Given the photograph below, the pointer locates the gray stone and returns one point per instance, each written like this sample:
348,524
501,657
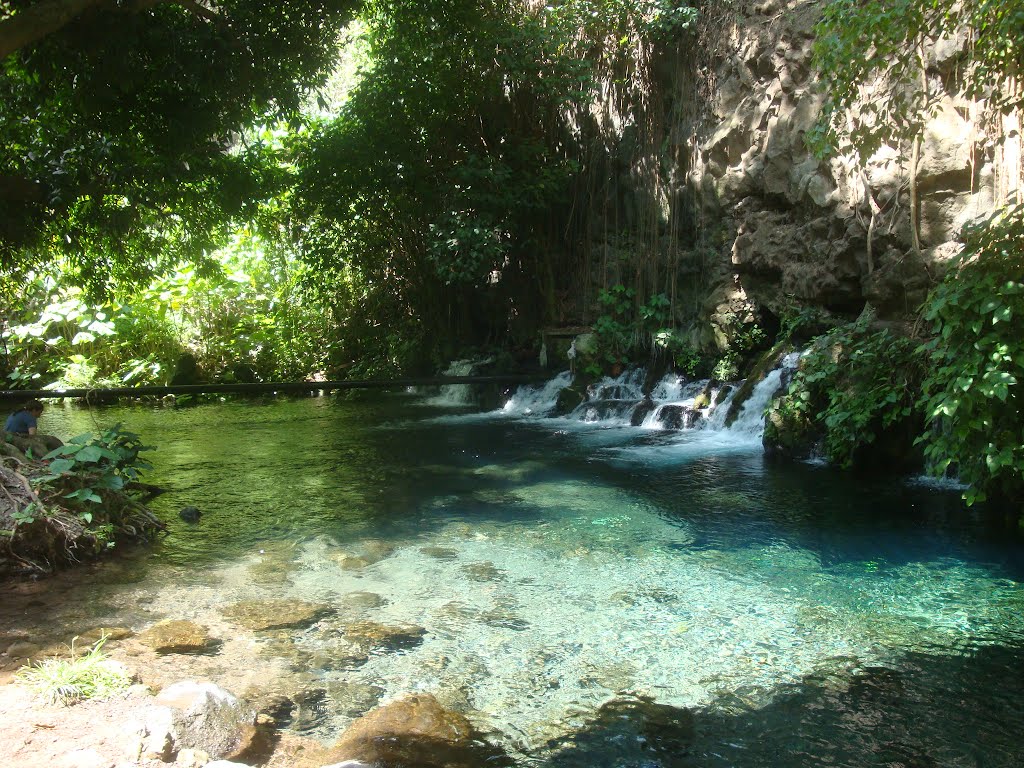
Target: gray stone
203,717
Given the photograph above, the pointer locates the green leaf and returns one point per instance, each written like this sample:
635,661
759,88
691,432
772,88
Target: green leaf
90,454
60,466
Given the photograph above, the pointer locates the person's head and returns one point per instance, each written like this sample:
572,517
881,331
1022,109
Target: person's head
34,407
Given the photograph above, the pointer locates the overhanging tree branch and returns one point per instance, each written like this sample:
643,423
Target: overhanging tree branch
32,24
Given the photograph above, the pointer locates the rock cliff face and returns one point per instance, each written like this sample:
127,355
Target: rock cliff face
793,230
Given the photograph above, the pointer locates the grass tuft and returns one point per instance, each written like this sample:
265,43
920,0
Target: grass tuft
69,681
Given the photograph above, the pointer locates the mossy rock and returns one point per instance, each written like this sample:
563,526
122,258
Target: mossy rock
788,435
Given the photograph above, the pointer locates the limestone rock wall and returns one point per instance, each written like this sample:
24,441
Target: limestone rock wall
793,230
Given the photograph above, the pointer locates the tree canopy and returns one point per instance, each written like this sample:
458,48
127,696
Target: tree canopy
122,122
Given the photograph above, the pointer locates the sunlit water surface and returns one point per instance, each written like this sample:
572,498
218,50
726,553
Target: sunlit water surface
793,615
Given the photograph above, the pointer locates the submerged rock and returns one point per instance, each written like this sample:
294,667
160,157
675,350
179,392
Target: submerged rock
370,635
414,731
178,636
666,734
485,571
363,600
276,614
440,553
190,514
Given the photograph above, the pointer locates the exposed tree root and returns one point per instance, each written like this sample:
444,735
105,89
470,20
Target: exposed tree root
42,532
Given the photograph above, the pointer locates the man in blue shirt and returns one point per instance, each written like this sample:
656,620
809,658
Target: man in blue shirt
20,430
24,421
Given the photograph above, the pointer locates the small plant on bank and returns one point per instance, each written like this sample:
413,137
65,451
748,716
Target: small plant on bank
68,681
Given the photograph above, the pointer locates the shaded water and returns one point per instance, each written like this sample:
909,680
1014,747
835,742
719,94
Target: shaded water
593,594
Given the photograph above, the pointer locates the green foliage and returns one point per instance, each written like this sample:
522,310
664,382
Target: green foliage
684,356
79,678
430,198
249,315
82,474
972,388
117,128
743,338
614,327
856,383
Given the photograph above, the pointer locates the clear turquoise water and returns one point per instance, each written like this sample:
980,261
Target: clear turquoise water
603,596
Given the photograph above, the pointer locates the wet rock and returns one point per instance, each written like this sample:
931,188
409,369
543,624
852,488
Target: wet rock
641,411
568,400
678,417
178,636
485,571
370,635
190,514
415,730
299,707
276,614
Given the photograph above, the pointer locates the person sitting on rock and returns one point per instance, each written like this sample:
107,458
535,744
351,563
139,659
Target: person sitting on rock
22,429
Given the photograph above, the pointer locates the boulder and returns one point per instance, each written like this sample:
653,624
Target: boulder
201,717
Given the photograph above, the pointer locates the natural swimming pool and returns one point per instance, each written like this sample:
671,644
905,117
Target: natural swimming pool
587,593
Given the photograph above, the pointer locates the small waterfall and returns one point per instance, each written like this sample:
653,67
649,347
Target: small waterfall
750,420
457,395
538,400
677,411
612,400
674,404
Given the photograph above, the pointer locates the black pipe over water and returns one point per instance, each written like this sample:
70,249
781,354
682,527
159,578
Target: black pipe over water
281,387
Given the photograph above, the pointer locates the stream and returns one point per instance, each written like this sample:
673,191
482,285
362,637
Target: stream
589,593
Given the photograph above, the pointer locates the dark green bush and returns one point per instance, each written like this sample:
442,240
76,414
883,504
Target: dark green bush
972,390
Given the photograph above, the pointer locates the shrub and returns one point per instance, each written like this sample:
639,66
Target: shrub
858,384
972,390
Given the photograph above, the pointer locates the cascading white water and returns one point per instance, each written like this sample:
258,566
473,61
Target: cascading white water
620,402
680,402
457,395
750,420
537,401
